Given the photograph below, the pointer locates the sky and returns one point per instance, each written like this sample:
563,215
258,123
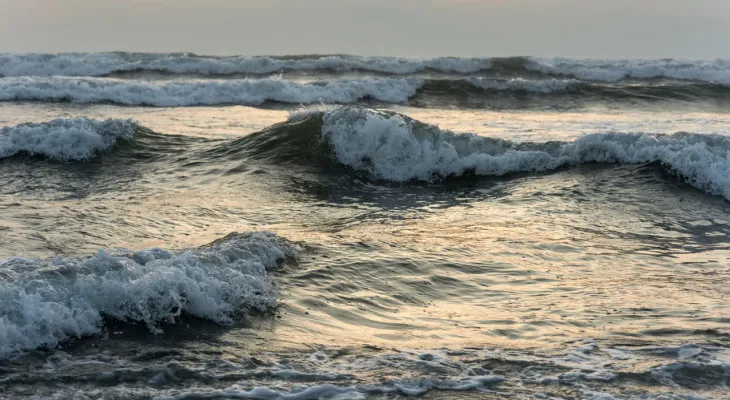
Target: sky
694,29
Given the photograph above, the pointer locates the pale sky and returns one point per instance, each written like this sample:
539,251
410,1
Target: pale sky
420,28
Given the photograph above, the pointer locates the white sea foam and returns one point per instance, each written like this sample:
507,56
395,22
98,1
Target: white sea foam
99,64
43,303
330,391
392,147
65,139
690,361
586,372
717,71
415,372
409,375
544,86
190,93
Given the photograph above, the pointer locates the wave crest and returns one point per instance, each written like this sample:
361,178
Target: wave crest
101,64
716,71
255,92
43,303
394,147
75,139
192,93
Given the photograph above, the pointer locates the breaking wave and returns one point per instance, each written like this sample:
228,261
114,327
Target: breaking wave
390,146
76,139
715,71
340,91
44,302
102,64
394,147
191,93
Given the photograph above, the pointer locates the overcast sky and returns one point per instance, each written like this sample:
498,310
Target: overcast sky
572,28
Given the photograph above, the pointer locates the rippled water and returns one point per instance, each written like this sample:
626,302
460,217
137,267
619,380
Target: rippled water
525,259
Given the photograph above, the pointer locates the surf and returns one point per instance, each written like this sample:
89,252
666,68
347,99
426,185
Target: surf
46,302
602,70
76,139
393,147
422,92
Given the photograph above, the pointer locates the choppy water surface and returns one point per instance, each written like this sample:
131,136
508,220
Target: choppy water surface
443,228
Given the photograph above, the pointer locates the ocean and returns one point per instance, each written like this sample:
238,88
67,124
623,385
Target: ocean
178,226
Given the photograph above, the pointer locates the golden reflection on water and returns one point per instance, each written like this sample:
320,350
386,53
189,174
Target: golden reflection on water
517,262
524,271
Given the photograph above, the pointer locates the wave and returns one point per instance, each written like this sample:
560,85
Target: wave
43,303
173,94
716,71
331,391
544,86
342,91
581,369
502,91
103,64
390,146
394,147
590,371
77,139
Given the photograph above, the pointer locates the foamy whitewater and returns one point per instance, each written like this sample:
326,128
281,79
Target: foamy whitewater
100,64
470,92
181,226
46,302
81,64
65,139
395,148
173,94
